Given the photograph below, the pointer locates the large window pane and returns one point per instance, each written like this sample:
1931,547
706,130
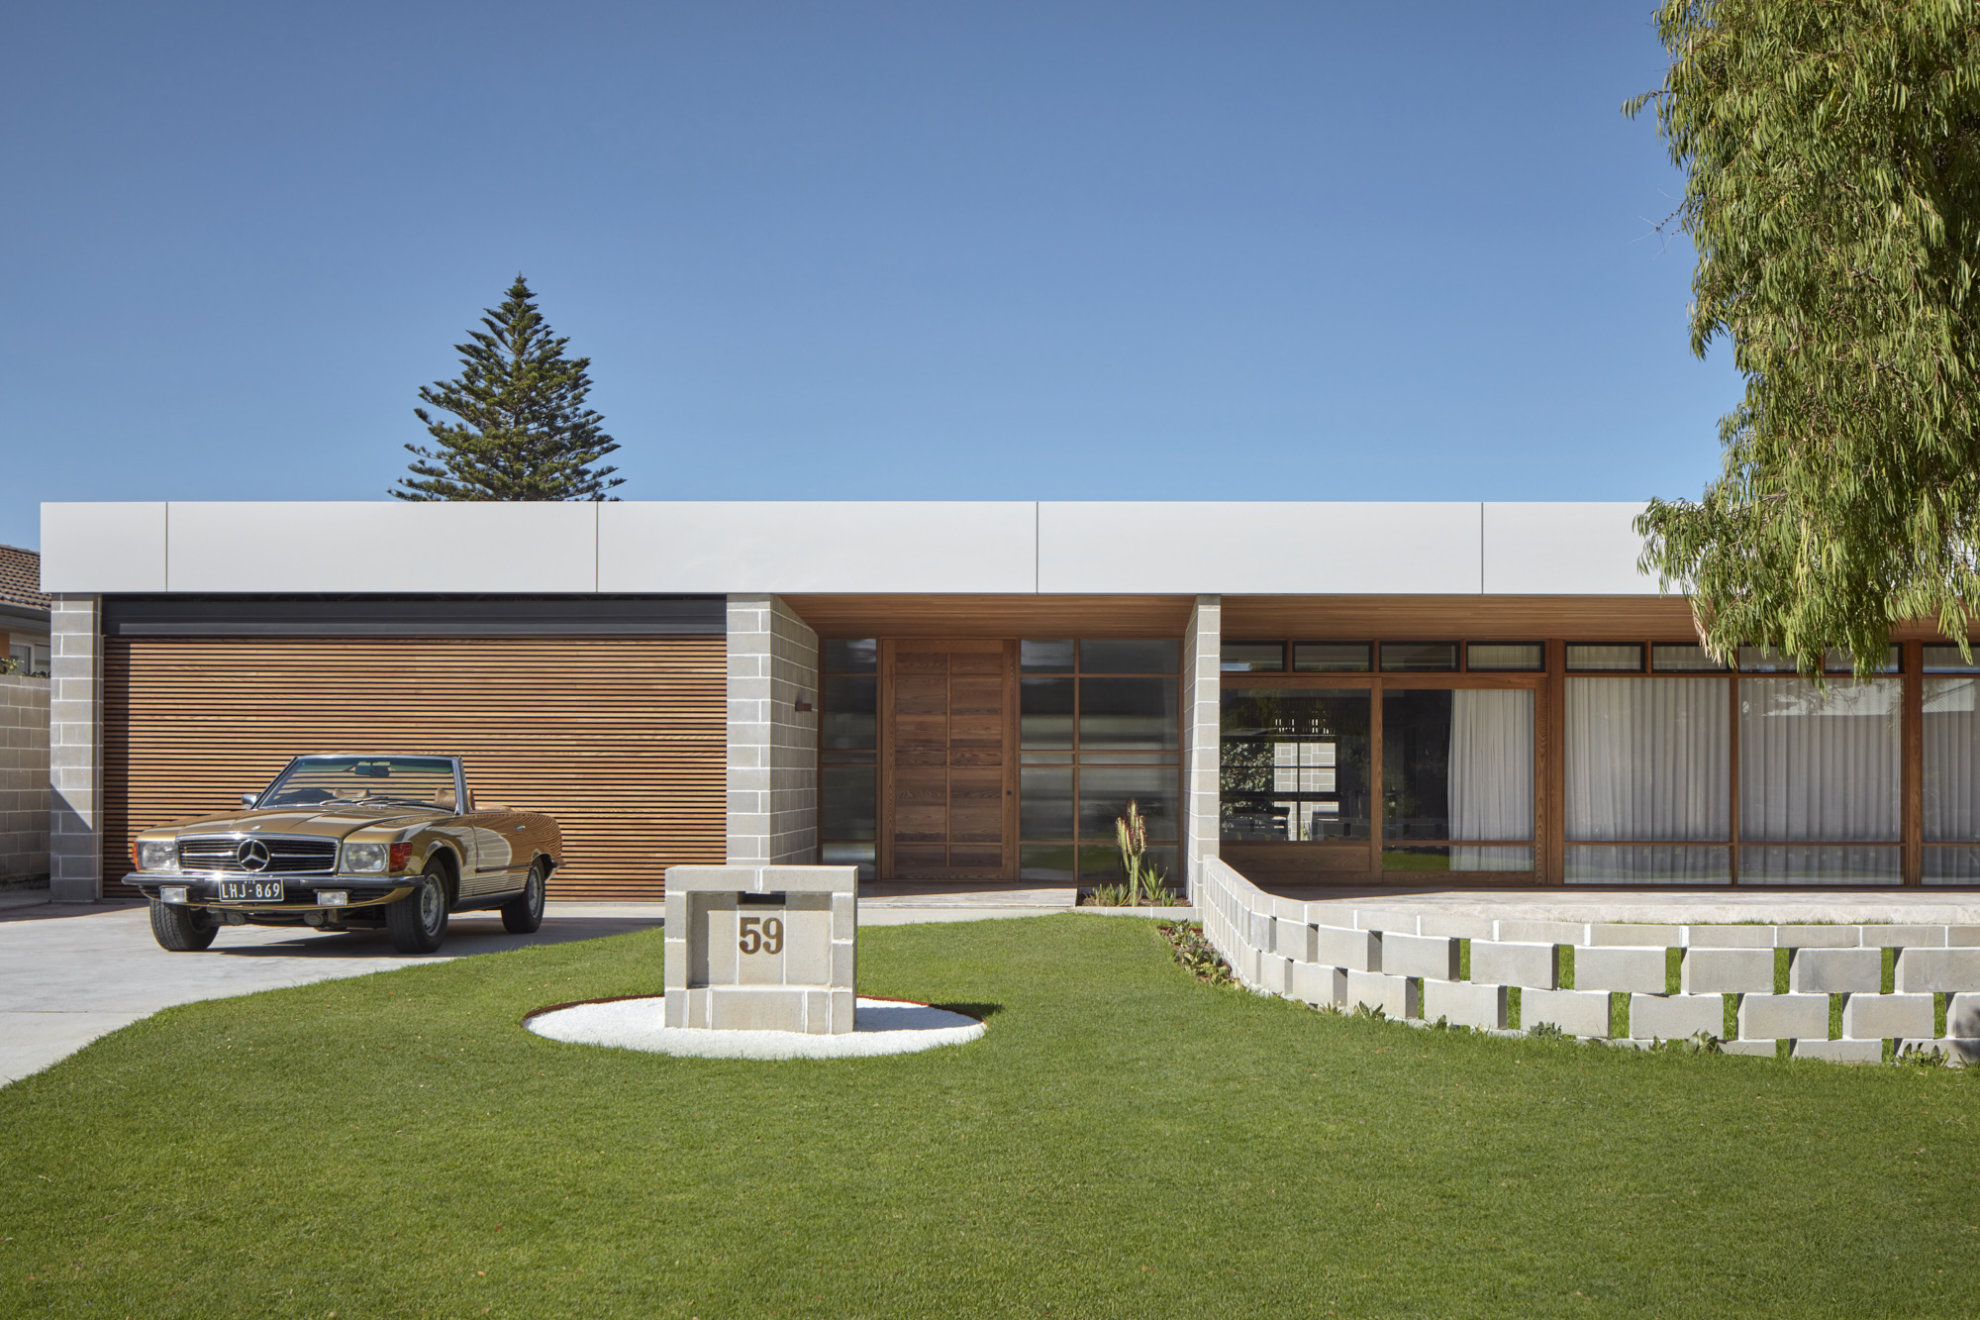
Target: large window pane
1045,712
1105,791
1295,764
1648,759
1128,714
1952,760
1458,765
849,713
1817,765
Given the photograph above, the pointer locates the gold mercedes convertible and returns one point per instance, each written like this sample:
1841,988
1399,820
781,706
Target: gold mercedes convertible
348,842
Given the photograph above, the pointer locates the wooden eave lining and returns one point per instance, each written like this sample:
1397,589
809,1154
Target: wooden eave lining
620,740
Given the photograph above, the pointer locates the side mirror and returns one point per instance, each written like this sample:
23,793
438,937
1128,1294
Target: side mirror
247,799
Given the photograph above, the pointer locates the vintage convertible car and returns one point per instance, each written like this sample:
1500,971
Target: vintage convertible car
339,842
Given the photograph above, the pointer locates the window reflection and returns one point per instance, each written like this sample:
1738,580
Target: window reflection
1045,713
1295,764
1128,714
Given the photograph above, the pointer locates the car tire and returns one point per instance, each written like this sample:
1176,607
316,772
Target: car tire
418,922
181,929
522,914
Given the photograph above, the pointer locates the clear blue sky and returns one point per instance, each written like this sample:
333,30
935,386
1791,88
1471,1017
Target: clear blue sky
925,249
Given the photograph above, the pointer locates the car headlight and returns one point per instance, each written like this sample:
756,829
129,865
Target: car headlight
364,857
158,855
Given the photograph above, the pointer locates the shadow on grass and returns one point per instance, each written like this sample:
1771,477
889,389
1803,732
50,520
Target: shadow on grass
981,1012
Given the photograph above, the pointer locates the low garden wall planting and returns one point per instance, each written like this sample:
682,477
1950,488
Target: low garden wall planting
1849,993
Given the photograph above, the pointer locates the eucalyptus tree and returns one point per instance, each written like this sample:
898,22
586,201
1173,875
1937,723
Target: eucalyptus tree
1832,158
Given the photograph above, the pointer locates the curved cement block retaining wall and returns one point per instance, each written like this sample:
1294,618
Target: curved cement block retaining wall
1673,981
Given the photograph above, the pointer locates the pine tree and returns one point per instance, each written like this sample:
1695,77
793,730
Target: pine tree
524,432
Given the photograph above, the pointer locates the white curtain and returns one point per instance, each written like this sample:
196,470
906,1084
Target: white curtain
1491,776
1819,765
1648,759
1952,762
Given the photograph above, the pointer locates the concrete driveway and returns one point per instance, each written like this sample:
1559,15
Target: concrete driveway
70,973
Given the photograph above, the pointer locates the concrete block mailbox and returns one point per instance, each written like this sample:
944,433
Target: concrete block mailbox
762,948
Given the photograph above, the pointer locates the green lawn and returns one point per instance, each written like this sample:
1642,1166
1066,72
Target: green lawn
1123,1142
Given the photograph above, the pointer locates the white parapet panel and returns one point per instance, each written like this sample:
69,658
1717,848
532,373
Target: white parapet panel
383,546
1563,549
1262,548
94,549
954,547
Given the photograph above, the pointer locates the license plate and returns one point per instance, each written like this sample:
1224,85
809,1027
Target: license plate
250,891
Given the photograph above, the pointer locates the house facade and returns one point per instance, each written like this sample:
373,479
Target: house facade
1318,693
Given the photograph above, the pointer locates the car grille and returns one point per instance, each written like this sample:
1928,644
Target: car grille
221,852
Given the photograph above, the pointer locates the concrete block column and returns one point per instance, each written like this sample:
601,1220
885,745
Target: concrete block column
1202,734
75,750
773,735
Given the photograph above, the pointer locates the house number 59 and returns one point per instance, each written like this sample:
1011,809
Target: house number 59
761,935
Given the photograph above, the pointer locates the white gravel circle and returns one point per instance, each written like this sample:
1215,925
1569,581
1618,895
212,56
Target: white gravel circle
880,1026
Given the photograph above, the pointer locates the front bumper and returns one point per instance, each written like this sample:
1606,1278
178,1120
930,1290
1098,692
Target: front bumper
298,891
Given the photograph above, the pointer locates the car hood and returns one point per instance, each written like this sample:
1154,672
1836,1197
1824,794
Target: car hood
318,822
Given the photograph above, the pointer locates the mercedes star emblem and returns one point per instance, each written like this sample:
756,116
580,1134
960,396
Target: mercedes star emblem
252,855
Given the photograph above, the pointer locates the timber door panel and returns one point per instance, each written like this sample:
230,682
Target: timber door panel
949,760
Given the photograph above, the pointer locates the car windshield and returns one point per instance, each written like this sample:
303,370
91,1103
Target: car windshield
426,781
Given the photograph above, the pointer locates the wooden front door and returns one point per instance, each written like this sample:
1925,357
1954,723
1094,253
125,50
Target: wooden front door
948,763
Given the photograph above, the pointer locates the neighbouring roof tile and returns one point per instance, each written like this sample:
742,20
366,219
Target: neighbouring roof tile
20,578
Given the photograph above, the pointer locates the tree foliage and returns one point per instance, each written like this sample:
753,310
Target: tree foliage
1832,155
524,431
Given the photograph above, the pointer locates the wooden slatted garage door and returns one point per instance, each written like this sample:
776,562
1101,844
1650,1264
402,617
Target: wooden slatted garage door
619,739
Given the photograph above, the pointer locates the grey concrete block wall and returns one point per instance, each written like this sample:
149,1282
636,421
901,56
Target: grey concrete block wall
772,734
1407,964
24,778
1202,734
75,750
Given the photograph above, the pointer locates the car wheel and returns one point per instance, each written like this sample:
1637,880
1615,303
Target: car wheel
522,914
180,928
418,922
